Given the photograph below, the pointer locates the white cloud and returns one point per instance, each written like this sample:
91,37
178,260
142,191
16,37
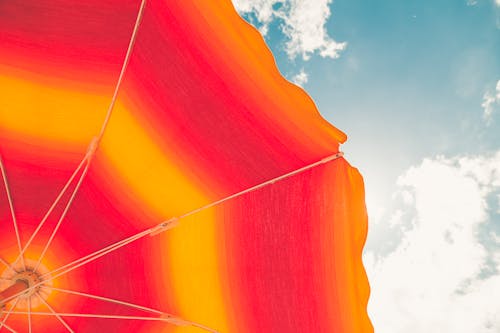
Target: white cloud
301,78
491,101
396,218
496,240
407,197
474,2
375,212
302,21
431,281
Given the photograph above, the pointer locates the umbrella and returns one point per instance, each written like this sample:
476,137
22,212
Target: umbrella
160,175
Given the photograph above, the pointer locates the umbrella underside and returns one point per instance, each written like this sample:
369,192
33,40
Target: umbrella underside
160,175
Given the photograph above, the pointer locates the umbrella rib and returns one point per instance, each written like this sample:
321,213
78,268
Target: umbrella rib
92,315
165,319
83,315
63,215
11,207
93,147
132,305
8,313
83,261
63,322
123,70
29,315
161,227
8,328
93,256
94,144
263,184
54,204
105,299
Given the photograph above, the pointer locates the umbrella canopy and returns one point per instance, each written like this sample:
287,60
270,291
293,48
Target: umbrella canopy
160,175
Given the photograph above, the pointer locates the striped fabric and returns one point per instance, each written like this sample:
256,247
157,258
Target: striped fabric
202,113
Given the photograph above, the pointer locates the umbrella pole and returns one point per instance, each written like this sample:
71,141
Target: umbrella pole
18,287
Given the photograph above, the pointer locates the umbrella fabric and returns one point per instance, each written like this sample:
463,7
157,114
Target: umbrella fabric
202,113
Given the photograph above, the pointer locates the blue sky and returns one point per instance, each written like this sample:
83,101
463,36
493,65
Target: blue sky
416,88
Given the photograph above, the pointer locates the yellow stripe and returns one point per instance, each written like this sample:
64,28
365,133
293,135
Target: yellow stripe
44,112
196,273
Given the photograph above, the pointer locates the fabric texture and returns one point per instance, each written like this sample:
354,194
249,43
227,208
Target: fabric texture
202,113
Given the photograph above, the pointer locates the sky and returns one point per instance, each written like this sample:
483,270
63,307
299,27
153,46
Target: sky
416,87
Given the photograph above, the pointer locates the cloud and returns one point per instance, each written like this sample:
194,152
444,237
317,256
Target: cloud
474,2
491,101
303,22
301,78
433,280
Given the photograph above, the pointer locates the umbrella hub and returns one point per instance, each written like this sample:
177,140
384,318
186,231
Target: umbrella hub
31,279
28,284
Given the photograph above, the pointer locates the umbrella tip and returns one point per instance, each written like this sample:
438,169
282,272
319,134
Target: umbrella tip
332,157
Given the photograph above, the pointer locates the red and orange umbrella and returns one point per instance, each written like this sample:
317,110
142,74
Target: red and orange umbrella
160,175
